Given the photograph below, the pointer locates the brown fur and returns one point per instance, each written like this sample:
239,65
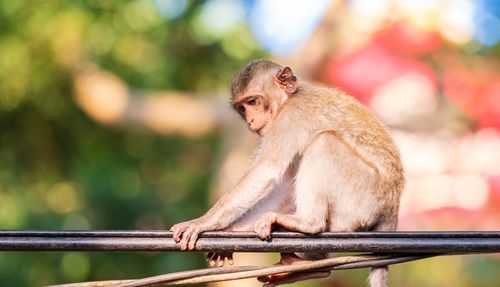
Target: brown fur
242,79
320,147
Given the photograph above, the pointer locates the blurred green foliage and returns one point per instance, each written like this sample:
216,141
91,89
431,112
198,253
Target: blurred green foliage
61,170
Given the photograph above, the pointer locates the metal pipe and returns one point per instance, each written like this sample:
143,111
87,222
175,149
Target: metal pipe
225,234
380,242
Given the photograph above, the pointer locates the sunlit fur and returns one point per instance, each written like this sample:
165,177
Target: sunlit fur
325,163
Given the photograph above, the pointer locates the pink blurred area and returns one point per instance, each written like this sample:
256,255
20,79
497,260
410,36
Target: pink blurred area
476,91
388,55
443,106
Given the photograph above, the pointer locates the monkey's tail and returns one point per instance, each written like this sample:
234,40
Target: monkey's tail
378,277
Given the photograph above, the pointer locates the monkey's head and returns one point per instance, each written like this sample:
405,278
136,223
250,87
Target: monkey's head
259,90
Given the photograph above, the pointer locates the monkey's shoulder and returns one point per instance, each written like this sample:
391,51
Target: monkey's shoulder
333,109
334,102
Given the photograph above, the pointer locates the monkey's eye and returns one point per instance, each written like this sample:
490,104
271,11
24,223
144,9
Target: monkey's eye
241,110
252,102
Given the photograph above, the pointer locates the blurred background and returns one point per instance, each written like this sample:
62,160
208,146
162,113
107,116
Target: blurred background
114,115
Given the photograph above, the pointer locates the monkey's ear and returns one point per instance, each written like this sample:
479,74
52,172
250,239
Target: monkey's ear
287,80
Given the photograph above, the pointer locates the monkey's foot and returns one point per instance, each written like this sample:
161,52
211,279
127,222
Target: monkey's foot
218,258
287,278
263,226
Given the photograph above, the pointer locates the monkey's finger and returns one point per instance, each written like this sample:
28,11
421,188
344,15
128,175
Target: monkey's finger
174,231
230,259
210,258
176,236
210,255
260,235
177,230
264,234
174,227
193,237
214,261
220,260
186,236
258,229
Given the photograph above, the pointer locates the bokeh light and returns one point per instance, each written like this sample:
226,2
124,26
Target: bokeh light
75,266
102,96
284,26
171,9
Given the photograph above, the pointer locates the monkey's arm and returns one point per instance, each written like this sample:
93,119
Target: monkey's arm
274,157
254,186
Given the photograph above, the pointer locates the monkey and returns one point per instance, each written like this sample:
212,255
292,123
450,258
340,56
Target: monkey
324,163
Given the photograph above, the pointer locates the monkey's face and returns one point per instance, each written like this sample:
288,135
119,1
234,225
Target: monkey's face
259,104
256,111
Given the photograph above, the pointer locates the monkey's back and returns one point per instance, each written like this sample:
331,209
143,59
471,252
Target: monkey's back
329,109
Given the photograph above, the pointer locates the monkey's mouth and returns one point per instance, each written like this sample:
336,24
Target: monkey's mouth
260,130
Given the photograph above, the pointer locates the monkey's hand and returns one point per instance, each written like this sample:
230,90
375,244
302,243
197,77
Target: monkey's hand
218,258
186,233
263,226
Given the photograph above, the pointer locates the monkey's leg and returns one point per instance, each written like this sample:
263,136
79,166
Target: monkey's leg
314,184
355,204
334,192
291,222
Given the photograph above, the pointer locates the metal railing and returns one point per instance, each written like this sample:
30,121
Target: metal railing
379,242
385,248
